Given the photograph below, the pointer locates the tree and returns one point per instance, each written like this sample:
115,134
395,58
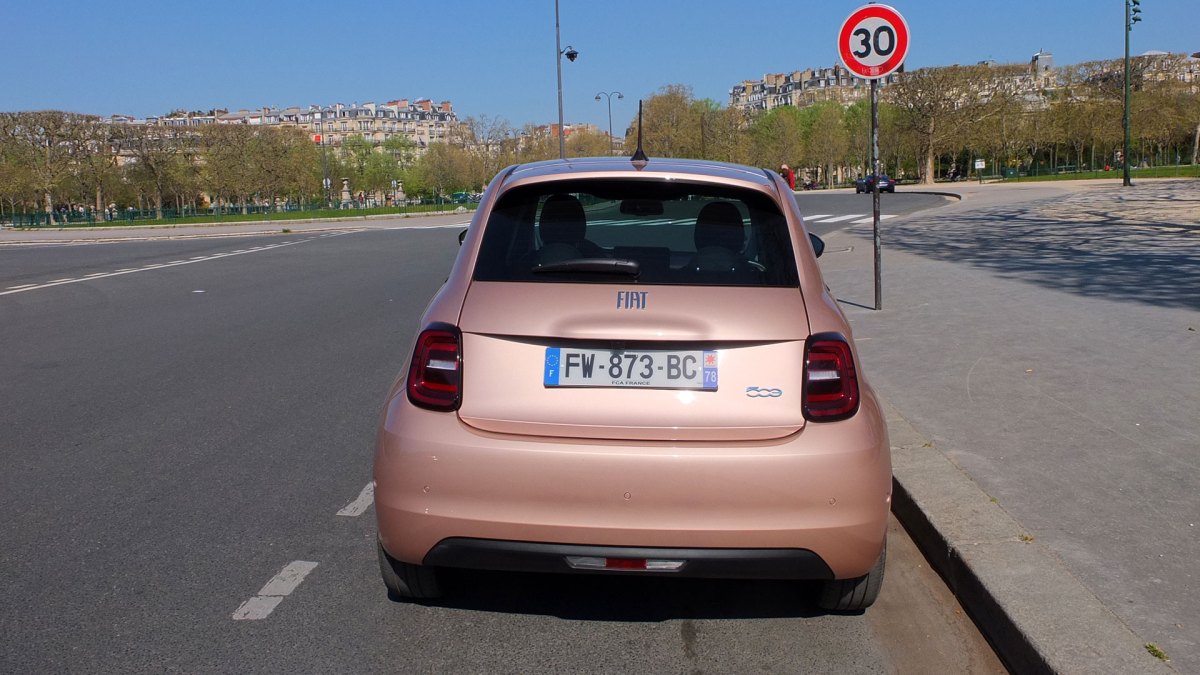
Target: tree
444,168
826,138
721,132
938,105
96,170
228,170
671,129
161,163
778,137
16,178
588,144
48,144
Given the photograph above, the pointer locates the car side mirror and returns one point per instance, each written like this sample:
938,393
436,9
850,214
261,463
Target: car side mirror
818,244
461,236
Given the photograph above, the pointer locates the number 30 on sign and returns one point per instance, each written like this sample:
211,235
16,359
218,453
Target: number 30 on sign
873,41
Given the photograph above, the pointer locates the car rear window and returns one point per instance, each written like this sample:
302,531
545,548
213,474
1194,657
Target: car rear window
648,231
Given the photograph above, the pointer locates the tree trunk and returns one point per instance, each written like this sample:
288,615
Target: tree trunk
1196,147
927,178
50,208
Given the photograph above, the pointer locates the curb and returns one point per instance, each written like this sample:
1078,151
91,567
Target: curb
1038,617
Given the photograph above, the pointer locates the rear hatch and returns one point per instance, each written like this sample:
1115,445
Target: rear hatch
646,362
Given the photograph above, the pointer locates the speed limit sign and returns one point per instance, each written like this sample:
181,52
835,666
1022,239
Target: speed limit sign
873,41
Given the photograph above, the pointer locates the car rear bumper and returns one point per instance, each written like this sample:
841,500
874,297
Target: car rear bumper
519,556
823,493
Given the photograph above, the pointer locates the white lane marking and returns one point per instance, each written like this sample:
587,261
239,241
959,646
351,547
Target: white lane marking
15,288
256,608
871,219
813,218
839,219
102,275
279,587
361,504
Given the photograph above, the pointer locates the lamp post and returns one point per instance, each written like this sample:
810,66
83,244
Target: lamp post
571,55
1133,14
609,95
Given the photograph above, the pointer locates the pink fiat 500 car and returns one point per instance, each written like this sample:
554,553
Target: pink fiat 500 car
635,368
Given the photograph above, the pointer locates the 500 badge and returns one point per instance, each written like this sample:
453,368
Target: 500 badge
759,392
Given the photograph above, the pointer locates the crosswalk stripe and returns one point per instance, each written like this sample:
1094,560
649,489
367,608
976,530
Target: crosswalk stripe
869,219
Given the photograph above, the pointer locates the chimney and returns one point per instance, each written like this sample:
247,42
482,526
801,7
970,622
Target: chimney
446,107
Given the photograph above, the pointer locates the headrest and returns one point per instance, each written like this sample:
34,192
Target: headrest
720,224
562,220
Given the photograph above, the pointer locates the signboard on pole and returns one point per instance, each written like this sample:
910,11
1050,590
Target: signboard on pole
873,41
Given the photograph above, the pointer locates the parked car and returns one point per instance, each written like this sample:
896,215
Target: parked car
635,368
867,184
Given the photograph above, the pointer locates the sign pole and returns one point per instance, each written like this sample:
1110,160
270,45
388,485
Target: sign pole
872,43
875,194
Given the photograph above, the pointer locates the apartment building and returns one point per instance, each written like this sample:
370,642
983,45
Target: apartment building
1031,83
801,88
420,121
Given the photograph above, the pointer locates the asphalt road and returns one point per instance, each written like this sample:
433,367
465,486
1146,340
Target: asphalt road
181,422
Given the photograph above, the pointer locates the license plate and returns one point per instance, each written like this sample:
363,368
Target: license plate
633,368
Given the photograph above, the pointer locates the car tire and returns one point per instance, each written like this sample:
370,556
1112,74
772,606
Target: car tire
404,580
853,595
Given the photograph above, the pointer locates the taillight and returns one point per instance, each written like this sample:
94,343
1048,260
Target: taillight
830,380
435,376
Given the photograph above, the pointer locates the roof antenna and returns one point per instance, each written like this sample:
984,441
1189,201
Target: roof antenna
639,159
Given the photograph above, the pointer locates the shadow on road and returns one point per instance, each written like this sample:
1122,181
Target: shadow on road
626,598
1111,248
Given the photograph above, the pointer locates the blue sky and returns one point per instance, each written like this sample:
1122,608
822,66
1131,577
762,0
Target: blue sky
496,58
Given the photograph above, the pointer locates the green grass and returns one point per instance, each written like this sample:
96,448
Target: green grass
1156,652
1184,171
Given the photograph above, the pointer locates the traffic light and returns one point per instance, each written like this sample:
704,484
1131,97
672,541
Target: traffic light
1135,12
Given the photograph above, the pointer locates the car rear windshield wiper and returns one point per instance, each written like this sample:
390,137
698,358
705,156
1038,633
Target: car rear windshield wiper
594,265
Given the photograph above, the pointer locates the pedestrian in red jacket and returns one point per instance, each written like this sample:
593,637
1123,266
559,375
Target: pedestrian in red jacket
788,175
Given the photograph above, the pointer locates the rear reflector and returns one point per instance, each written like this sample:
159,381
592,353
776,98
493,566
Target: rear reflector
580,562
830,379
435,375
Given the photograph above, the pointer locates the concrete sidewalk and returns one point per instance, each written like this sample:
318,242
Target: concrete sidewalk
1038,347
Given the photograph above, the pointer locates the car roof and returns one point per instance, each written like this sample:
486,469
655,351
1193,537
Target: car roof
654,168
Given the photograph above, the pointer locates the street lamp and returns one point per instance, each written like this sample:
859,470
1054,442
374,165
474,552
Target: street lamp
571,55
1133,14
609,95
